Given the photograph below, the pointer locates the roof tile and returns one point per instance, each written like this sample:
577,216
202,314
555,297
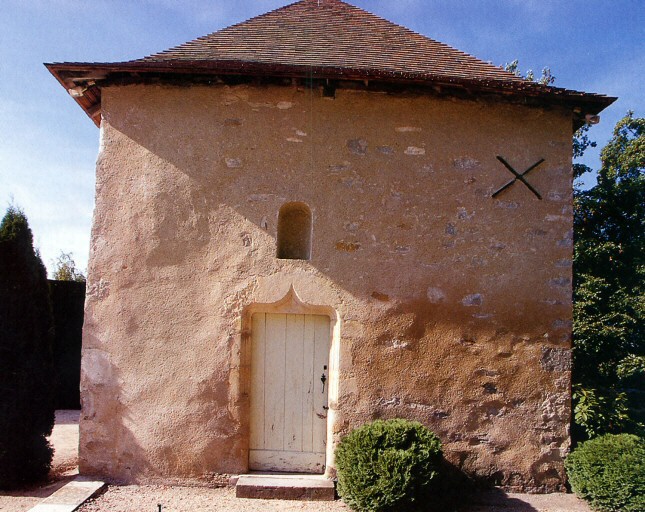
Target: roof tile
332,33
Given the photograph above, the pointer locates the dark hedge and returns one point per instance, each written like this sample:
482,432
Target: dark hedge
68,299
26,369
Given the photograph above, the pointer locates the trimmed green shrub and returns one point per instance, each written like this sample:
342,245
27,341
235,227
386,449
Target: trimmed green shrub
26,370
388,466
609,472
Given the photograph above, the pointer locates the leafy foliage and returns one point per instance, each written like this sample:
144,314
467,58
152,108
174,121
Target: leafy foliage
66,269
581,142
26,372
609,298
609,472
546,77
597,413
388,466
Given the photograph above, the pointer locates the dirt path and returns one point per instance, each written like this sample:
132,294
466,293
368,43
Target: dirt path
64,438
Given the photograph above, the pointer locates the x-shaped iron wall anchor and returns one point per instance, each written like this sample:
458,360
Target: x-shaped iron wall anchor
518,176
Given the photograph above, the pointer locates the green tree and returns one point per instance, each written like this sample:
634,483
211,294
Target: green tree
26,370
65,269
609,299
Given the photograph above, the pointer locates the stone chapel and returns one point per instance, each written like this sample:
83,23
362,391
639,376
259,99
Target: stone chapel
313,219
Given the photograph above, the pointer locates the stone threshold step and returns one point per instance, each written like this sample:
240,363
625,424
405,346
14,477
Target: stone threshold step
69,497
277,486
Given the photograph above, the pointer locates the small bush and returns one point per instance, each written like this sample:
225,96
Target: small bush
388,466
609,472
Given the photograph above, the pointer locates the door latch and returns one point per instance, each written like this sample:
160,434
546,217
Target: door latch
323,379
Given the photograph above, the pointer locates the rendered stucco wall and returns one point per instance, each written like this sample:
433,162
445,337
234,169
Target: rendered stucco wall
451,307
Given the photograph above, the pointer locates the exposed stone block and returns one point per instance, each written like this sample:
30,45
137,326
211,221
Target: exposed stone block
415,151
556,359
386,150
465,163
357,146
233,163
474,299
435,295
408,129
381,296
342,245
560,282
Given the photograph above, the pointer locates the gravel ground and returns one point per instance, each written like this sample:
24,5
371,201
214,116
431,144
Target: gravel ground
147,498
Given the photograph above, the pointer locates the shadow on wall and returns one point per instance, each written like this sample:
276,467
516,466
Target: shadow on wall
119,444
254,172
125,460
461,492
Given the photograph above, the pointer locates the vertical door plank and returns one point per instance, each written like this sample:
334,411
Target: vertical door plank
321,359
293,392
309,385
274,382
258,334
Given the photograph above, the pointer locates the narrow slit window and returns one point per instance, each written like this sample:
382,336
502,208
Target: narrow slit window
294,232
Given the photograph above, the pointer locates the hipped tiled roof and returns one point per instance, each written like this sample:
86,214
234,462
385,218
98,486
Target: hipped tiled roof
334,34
322,39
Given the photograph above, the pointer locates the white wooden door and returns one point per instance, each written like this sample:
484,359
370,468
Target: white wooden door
290,355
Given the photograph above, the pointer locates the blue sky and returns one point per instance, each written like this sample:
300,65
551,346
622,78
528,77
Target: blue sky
48,146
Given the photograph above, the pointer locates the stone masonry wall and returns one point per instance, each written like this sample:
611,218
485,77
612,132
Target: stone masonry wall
453,308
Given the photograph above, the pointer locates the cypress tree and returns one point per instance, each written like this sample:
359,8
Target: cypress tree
26,368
